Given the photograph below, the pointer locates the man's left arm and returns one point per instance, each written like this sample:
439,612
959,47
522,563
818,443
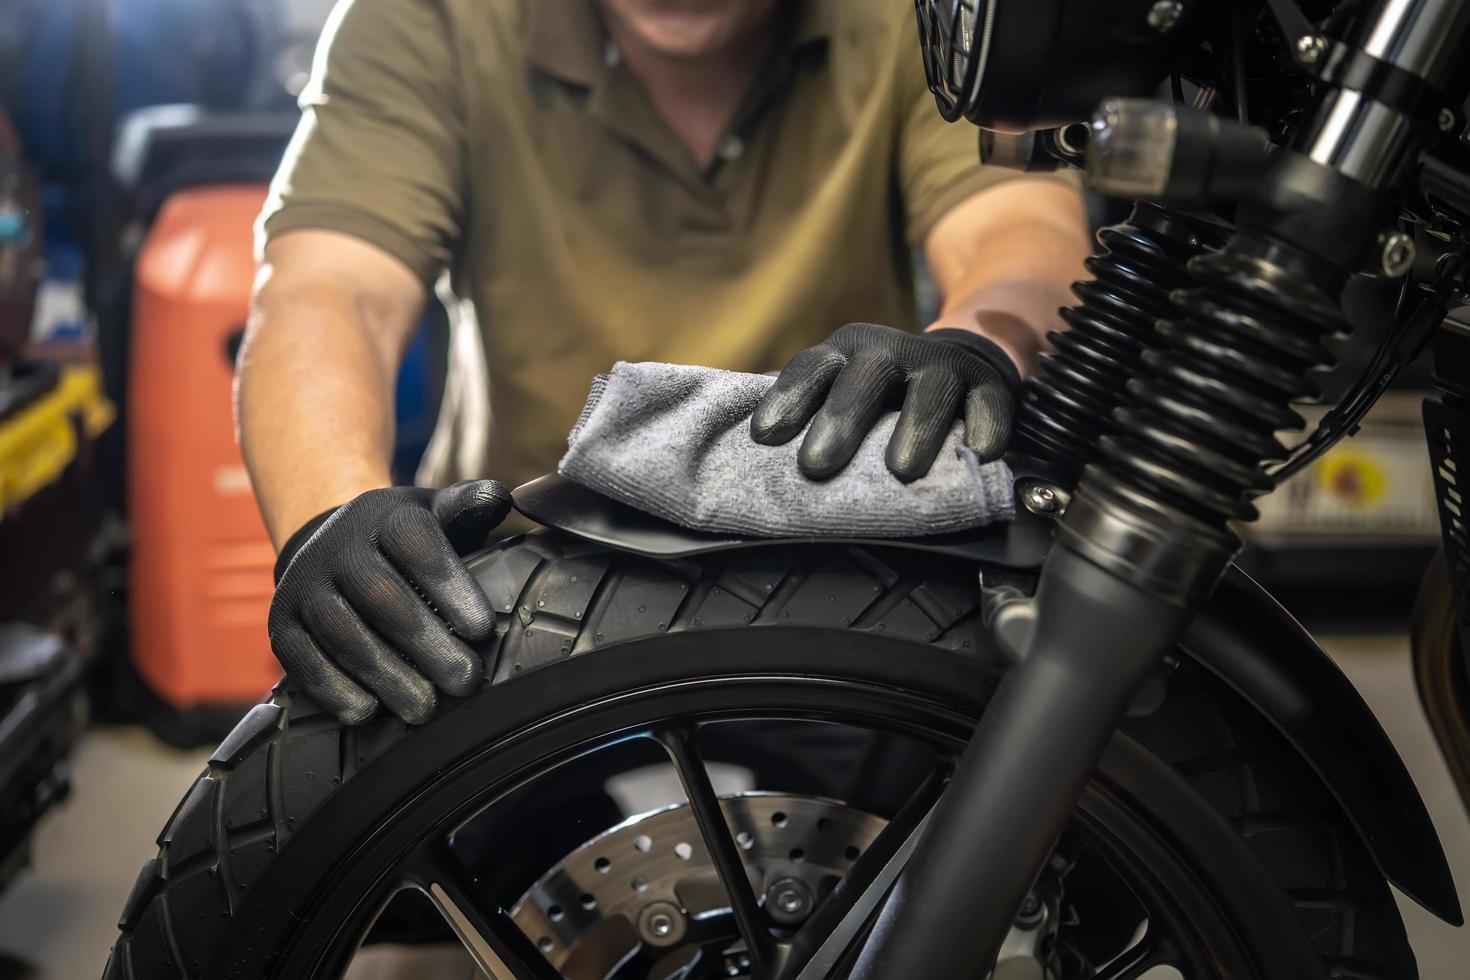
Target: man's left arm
1003,249
1004,260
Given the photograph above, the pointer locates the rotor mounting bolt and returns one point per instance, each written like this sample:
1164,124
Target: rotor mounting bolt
662,923
1042,500
1396,253
1164,15
789,901
1309,48
1447,120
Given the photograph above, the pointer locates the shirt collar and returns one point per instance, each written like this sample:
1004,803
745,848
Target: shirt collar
564,37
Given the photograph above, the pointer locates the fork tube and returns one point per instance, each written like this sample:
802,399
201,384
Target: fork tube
1146,535
1096,638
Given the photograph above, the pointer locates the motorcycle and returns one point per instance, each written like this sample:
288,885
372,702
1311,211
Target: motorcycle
1106,754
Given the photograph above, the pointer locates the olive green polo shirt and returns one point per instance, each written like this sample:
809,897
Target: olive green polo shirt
504,141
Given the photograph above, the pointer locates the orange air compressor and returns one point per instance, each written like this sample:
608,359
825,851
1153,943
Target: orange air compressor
201,561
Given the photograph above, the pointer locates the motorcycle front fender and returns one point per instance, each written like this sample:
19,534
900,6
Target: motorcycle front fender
1242,637
1254,646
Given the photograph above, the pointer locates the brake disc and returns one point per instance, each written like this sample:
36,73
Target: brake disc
650,882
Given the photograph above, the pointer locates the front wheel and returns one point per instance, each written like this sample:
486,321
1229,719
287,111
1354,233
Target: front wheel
1201,848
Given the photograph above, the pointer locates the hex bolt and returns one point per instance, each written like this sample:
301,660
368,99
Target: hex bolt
1164,15
1043,499
1309,48
662,923
788,901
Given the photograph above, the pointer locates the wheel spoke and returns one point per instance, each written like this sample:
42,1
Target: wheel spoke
679,743
1138,959
499,947
826,938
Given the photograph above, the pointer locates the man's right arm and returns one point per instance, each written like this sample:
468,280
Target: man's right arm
314,399
364,213
373,604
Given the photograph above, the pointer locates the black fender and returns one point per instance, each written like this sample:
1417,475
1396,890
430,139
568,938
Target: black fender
1242,637
1251,644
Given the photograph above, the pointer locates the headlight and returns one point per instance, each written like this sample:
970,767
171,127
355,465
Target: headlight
955,36
1019,65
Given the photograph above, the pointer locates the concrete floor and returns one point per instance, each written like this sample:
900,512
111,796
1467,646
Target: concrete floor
58,919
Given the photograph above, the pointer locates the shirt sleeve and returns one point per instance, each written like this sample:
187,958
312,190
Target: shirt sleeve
939,163
379,153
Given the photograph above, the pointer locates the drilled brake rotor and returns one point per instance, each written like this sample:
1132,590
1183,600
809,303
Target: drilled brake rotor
650,882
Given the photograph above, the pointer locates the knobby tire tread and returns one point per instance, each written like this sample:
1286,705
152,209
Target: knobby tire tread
556,597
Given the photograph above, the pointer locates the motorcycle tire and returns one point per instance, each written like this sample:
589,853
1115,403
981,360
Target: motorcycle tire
290,797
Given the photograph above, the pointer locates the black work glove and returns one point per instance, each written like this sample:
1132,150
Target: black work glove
846,383
374,604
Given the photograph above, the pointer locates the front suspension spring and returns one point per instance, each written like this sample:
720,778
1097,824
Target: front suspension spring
1068,403
1209,402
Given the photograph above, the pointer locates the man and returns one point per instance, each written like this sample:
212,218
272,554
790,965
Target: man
721,182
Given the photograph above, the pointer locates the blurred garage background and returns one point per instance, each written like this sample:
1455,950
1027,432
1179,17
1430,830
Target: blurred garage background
136,140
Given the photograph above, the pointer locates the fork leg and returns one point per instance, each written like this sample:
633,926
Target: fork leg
1096,638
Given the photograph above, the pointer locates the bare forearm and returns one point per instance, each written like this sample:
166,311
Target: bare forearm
1010,279
1018,285
314,401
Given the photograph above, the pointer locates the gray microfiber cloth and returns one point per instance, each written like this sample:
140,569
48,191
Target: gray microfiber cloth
674,441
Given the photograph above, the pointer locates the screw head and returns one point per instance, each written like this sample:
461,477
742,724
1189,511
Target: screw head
1309,47
1396,255
1164,15
1446,120
1042,499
